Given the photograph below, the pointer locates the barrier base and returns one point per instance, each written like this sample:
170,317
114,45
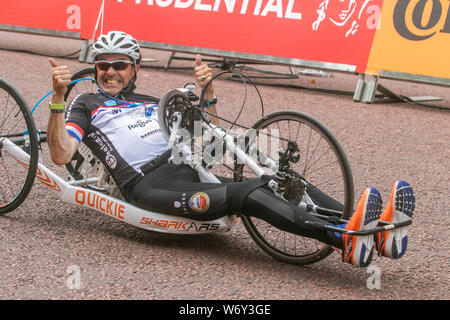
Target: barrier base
365,92
228,64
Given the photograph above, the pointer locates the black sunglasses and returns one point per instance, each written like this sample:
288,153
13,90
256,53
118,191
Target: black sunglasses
117,65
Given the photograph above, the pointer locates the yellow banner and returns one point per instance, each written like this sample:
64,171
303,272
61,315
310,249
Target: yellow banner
413,37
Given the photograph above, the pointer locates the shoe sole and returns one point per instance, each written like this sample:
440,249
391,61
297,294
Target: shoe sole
360,248
396,241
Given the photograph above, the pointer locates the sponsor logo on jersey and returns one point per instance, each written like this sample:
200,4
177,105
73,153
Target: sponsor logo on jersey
110,103
111,161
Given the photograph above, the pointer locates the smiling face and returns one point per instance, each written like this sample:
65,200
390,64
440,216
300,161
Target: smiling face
113,81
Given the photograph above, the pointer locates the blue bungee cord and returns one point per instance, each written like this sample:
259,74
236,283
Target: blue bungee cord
42,99
99,89
149,111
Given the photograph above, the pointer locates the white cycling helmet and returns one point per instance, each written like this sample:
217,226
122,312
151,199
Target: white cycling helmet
116,42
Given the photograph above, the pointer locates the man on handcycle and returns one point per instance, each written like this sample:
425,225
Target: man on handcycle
122,130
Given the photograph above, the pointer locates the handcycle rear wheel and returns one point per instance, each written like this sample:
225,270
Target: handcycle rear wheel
78,165
16,124
81,87
322,164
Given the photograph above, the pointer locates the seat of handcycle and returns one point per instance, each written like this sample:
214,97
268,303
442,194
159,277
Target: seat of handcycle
93,174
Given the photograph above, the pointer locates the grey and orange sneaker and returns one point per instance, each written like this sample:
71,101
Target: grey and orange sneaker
393,243
358,250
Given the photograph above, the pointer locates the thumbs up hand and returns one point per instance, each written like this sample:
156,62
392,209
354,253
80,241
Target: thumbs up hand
202,72
61,79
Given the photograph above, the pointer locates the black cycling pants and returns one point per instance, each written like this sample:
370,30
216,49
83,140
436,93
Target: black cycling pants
177,190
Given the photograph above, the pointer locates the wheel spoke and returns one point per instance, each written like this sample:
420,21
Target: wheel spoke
323,164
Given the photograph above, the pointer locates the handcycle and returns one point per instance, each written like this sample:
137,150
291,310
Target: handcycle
294,151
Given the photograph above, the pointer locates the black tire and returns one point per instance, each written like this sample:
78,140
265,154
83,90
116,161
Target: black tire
16,180
318,146
81,87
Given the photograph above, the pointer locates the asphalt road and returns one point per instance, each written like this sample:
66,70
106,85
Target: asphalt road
44,242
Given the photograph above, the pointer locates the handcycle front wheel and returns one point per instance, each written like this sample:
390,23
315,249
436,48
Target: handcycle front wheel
17,125
322,164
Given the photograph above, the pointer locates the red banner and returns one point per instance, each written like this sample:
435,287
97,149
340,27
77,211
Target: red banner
330,31
334,31
55,15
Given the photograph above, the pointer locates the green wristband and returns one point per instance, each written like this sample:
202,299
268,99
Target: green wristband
57,106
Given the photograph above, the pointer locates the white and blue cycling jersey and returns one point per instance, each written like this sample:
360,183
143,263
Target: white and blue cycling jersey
122,136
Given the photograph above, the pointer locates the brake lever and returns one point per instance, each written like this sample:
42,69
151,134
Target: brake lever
192,96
